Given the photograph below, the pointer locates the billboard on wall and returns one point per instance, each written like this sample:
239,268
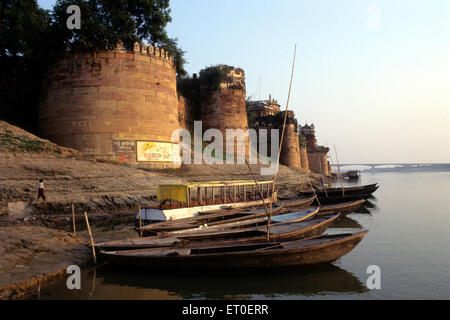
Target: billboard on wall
152,151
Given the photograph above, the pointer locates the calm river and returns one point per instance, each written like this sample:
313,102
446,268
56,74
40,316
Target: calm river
409,239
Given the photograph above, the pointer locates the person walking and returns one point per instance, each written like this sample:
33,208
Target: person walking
41,193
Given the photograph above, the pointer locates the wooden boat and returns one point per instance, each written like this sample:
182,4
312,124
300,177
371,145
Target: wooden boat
340,199
333,192
220,217
278,231
344,208
353,175
283,231
190,199
295,216
305,252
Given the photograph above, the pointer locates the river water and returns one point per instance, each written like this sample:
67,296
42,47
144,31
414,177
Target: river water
409,240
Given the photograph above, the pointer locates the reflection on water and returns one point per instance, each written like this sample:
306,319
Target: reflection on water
109,283
346,222
368,207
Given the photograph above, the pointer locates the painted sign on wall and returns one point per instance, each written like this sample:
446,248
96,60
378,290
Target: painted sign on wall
152,151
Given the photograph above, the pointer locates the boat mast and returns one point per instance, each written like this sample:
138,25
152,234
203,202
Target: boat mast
281,144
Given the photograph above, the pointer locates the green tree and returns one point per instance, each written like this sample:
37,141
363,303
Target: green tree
106,22
301,140
25,47
31,38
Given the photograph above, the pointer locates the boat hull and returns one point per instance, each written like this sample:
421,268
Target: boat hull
295,256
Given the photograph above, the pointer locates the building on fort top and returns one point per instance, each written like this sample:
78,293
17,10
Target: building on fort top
264,108
266,114
317,155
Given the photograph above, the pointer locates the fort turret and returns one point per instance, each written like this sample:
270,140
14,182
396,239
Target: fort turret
104,103
223,106
317,155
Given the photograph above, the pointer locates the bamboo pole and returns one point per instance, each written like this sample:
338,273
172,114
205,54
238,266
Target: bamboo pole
260,193
314,192
339,171
140,222
321,177
73,220
90,236
269,220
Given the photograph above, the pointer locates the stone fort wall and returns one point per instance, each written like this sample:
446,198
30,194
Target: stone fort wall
226,107
290,150
318,162
102,103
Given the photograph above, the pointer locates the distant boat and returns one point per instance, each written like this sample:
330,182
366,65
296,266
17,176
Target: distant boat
353,175
305,252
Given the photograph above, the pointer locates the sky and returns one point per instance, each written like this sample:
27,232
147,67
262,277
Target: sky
372,75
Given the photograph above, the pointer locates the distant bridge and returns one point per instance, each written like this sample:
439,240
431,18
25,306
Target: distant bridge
374,165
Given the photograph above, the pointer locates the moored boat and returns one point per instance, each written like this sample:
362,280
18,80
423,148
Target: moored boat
178,201
337,199
223,216
344,208
260,218
305,252
282,231
336,192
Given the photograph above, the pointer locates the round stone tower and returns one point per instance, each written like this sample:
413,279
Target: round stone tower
290,150
304,158
105,103
225,107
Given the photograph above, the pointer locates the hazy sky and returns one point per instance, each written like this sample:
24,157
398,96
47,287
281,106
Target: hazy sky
373,76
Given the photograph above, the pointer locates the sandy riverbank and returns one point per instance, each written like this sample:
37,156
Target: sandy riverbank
36,243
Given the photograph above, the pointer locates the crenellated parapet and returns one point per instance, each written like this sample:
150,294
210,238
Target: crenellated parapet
232,78
149,51
105,103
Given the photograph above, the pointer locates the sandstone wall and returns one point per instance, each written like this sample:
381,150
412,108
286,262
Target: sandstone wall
102,103
290,150
318,162
225,108
304,159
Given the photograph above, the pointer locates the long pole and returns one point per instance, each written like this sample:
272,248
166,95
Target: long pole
269,220
314,192
140,222
90,236
321,177
73,220
339,172
260,194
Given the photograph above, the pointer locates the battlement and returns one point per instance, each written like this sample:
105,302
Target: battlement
152,51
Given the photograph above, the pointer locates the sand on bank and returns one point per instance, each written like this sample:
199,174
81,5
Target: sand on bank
36,243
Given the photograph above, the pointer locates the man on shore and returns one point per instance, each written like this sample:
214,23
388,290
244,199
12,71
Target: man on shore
41,193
